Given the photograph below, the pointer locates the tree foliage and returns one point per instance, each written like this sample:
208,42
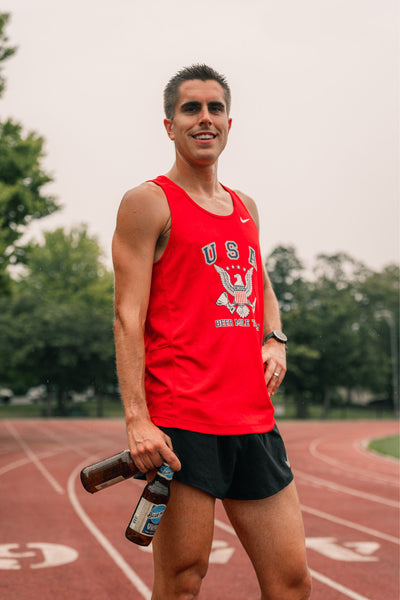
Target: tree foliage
57,326
22,179
337,336
6,51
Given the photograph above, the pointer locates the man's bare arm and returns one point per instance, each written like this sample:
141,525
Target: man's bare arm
142,218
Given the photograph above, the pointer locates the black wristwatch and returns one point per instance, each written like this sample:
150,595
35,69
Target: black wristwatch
277,335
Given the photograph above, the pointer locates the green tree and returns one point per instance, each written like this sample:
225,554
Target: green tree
378,301
22,179
59,321
340,325
286,272
6,51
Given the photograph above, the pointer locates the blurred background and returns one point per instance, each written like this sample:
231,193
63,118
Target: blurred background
315,141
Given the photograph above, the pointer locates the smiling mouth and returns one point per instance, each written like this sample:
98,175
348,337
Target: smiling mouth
204,136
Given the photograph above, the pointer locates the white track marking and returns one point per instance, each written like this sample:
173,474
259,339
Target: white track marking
34,459
24,461
336,586
338,464
14,465
318,576
61,441
345,490
339,521
224,526
333,549
362,448
103,541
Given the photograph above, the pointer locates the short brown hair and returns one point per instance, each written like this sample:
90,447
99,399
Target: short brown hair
198,71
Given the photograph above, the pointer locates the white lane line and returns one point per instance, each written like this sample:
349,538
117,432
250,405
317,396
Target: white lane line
34,459
362,447
318,576
55,437
336,586
339,521
14,465
102,540
345,490
363,473
24,461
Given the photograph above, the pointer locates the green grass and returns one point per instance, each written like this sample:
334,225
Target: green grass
112,408
23,411
336,413
389,446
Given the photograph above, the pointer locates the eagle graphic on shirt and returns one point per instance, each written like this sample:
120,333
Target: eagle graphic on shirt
238,290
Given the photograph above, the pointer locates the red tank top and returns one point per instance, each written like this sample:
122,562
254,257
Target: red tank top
204,326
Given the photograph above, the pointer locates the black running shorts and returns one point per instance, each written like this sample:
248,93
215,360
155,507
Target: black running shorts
237,467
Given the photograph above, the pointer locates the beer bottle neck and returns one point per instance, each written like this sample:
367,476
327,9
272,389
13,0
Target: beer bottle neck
165,472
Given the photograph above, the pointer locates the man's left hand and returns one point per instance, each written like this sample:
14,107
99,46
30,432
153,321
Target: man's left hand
274,358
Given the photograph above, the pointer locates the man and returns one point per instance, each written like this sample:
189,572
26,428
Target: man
193,305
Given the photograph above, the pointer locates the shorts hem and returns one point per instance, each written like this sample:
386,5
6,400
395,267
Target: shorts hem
201,487
195,427
243,498
262,496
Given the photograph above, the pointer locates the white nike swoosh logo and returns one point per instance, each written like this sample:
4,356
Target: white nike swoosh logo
244,220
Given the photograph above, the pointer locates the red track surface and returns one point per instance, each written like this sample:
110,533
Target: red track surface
349,499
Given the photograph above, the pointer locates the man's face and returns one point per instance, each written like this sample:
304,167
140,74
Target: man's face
200,125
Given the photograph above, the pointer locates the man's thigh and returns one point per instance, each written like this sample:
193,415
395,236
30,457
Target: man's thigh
182,544
272,533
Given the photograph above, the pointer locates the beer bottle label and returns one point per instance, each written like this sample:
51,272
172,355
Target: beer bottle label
147,517
166,471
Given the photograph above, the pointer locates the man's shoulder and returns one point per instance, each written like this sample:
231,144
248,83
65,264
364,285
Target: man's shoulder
249,204
143,208
247,200
147,191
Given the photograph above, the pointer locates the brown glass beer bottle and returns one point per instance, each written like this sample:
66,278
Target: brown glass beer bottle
150,508
108,471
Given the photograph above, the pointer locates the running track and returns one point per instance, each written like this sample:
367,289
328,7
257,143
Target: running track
59,542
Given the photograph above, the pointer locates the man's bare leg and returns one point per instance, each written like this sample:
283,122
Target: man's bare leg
182,545
272,533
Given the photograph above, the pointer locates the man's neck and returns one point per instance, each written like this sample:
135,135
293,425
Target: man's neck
200,180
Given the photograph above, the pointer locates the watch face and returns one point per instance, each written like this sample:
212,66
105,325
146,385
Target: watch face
280,336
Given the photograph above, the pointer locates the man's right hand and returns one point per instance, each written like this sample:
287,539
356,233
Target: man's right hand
150,447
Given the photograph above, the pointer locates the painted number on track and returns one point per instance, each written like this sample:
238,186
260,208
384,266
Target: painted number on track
220,552
35,555
348,552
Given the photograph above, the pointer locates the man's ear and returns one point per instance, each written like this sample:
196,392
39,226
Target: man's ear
229,124
169,128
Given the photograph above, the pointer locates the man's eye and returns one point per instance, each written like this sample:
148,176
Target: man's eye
191,108
216,108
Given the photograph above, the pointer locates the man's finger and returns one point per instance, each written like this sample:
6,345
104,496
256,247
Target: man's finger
171,458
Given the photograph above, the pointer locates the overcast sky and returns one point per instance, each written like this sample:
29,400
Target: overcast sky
315,134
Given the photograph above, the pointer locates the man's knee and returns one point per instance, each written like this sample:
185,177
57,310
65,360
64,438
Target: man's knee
189,583
295,587
304,587
184,584
301,586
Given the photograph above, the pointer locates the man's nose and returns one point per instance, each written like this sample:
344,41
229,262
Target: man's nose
205,117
